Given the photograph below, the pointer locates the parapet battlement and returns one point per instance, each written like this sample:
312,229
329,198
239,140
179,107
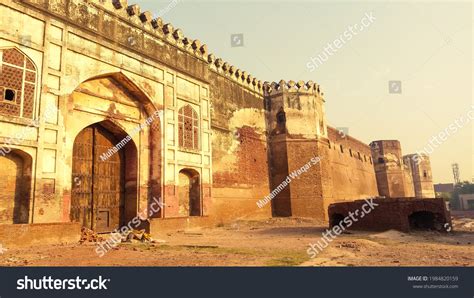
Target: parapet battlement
291,86
96,14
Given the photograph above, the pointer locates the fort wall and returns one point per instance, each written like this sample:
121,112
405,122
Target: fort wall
221,139
348,169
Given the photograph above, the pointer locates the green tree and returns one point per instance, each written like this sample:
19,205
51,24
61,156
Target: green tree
461,188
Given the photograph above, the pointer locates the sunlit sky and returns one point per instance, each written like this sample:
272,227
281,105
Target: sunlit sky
425,45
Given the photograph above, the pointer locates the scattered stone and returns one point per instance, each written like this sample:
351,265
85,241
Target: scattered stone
193,234
200,246
349,245
87,235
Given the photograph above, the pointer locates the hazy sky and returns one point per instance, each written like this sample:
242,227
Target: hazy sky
425,45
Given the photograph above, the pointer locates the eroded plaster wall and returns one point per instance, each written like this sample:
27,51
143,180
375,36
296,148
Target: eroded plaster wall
394,177
422,177
296,121
239,150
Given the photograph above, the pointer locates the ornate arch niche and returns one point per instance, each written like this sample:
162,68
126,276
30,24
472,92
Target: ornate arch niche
280,122
104,92
189,193
15,187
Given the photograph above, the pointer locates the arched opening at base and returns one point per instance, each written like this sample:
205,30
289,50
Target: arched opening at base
337,219
15,187
422,220
189,192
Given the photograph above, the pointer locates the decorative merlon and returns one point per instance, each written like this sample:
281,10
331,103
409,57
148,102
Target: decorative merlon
146,17
176,36
157,23
133,10
291,86
118,4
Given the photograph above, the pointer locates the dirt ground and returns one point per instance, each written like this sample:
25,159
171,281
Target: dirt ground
274,242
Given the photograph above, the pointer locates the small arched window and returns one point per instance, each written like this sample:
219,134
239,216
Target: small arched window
281,117
17,84
280,122
188,132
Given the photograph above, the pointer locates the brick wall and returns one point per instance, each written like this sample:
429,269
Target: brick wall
348,172
239,151
390,213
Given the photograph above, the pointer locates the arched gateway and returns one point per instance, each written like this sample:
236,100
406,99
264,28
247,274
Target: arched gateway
108,184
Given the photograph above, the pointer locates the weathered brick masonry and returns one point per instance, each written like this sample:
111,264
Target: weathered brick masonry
398,213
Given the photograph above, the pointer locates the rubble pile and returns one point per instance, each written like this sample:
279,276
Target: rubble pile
137,236
129,236
463,224
87,235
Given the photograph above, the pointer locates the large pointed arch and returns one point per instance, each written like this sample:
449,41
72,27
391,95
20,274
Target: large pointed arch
132,87
112,122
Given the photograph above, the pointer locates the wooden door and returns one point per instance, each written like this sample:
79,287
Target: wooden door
82,161
97,181
194,197
108,182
